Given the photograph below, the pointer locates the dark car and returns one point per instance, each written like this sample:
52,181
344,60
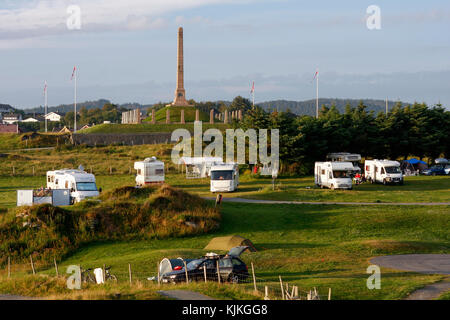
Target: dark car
438,170
231,268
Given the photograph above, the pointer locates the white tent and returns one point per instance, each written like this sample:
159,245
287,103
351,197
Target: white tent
199,167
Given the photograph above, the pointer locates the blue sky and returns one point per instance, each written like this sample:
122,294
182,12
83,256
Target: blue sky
126,50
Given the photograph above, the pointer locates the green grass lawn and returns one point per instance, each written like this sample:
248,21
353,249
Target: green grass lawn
308,245
445,296
416,189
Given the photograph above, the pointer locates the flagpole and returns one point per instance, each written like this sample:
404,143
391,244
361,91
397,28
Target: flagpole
253,98
317,95
253,94
45,106
387,106
75,104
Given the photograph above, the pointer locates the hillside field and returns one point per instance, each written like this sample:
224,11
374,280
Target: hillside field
309,246
323,246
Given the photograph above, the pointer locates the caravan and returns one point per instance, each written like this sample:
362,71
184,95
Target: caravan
224,177
383,171
80,183
333,175
149,171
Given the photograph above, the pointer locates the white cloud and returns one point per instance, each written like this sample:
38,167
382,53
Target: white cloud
48,17
192,20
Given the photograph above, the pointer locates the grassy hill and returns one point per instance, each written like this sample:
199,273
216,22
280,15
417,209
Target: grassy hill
31,140
125,213
175,115
307,107
148,127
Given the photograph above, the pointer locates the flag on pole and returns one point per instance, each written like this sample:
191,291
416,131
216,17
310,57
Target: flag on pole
45,87
73,73
253,88
315,75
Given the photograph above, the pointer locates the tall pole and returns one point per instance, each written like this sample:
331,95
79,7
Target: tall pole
253,98
253,94
75,104
317,95
387,106
45,105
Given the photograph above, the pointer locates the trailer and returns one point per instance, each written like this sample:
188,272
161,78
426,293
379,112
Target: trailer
224,177
80,183
149,171
333,175
383,171
59,197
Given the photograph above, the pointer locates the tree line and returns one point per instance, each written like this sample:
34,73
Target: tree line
109,112
412,130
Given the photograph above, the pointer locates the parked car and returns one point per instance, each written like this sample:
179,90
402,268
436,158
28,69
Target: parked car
232,268
437,170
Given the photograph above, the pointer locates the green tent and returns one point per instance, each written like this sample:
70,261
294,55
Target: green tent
226,243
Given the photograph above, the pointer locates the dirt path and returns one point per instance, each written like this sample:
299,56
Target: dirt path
421,263
242,200
431,291
184,295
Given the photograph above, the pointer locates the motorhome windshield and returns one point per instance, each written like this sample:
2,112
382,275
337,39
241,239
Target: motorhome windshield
392,169
222,175
337,174
86,186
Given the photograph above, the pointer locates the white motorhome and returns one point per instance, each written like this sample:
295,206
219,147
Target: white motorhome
224,177
383,171
333,175
354,158
149,171
80,183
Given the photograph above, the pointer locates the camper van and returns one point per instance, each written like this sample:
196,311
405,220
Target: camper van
354,158
224,177
80,183
333,175
383,171
149,171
